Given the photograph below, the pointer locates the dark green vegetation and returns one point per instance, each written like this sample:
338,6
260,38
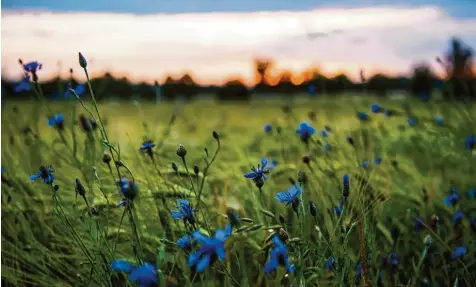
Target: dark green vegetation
59,241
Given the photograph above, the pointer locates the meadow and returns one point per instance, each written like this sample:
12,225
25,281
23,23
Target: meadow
385,198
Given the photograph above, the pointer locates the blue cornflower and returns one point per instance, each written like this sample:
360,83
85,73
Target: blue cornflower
128,189
185,242
311,89
259,172
32,67
378,160
268,128
290,196
144,275
233,217
393,258
56,121
324,133
419,224
375,108
79,90
210,250
45,173
453,198
470,142
471,193
439,120
305,130
327,147
365,164
424,96
362,116
338,209
460,251
458,217
24,85
279,256
359,271
330,263
412,121
146,147
185,211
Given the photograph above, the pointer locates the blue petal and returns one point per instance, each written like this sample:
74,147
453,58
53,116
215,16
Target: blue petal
200,237
122,266
59,118
35,176
228,229
264,162
220,250
283,197
51,121
250,174
203,263
194,257
271,265
80,89
220,235
145,273
177,214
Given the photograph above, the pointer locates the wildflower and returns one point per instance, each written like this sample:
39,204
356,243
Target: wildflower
185,242
268,128
338,210
87,125
79,188
196,170
24,85
302,177
470,142
362,116
211,249
305,130
358,274
471,193
233,217
412,121
378,160
56,121
306,159
312,208
184,211
32,67
259,172
45,173
330,263
324,133
365,164
175,167
147,148
79,90
106,158
453,198
144,275
327,147
290,196
279,256
128,188
375,108
181,151
346,184
458,217
419,224
460,251
439,120
82,61
393,258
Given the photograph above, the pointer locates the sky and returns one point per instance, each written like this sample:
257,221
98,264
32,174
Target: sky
216,40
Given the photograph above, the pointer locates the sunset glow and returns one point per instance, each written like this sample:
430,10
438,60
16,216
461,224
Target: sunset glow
216,47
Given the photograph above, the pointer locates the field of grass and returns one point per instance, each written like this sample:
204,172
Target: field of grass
63,239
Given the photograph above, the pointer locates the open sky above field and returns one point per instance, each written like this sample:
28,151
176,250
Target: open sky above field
217,39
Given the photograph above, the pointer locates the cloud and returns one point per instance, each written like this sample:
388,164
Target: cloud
215,46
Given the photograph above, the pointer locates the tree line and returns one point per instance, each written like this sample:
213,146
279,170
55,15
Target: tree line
457,63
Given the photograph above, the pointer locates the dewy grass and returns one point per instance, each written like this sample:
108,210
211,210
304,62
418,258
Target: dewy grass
142,220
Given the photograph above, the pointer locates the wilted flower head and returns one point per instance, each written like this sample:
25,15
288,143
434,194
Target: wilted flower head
56,121
260,171
210,250
87,125
184,211
279,256
45,173
290,196
305,130
144,275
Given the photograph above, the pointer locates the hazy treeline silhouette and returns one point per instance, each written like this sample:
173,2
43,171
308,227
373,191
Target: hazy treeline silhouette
457,63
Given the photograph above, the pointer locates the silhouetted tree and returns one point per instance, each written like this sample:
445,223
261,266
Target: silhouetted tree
262,67
422,79
234,90
378,84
